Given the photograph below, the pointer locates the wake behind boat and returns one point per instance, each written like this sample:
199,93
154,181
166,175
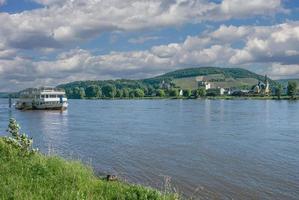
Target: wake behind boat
44,98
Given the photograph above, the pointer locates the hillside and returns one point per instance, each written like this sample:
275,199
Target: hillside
221,77
183,79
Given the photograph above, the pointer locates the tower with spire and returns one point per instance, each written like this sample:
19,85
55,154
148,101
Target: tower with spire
267,86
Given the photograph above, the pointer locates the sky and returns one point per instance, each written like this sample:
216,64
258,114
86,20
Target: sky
49,42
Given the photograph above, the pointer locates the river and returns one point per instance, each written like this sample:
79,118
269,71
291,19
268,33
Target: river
206,149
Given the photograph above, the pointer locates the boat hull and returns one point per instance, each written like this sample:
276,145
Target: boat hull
44,106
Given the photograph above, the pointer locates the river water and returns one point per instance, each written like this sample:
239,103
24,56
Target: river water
206,149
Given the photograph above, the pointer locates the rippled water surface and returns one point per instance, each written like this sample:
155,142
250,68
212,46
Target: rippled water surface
211,149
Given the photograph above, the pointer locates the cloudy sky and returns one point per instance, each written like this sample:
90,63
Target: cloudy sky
48,42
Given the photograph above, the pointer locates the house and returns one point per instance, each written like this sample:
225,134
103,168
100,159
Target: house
222,91
204,84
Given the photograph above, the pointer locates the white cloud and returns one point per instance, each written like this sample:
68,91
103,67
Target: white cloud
284,71
242,8
278,43
63,22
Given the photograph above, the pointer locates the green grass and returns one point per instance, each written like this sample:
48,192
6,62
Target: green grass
47,177
217,80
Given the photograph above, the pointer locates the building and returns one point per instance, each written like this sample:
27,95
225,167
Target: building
165,85
262,88
204,84
181,93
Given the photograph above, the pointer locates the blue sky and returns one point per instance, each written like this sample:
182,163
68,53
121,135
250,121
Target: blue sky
48,42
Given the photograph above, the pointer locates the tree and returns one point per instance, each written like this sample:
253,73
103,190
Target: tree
109,91
278,91
160,93
78,93
200,92
187,93
69,93
125,92
151,90
119,93
93,91
213,92
292,89
132,94
138,93
173,92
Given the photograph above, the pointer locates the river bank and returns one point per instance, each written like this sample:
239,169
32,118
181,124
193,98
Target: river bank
39,176
223,97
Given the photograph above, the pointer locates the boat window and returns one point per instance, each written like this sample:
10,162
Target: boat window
53,96
47,96
42,96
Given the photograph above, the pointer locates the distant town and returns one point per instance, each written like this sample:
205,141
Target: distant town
203,82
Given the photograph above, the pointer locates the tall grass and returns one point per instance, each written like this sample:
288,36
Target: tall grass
36,176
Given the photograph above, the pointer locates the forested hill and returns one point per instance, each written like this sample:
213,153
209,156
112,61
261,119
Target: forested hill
234,73
224,77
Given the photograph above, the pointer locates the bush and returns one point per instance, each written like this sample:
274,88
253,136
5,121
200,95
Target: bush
173,92
292,89
187,93
200,92
19,140
160,93
138,93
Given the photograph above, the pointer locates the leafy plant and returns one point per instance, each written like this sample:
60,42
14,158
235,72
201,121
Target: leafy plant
19,140
292,89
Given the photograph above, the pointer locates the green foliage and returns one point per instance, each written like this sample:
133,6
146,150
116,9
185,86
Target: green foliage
278,91
187,93
109,91
132,94
203,71
213,92
200,92
19,140
75,93
292,89
119,93
46,177
182,78
93,91
174,92
160,93
138,93
126,92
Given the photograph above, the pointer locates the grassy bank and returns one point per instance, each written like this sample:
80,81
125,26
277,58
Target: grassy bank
38,176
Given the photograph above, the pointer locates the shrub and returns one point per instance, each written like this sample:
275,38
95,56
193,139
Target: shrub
173,92
160,93
19,140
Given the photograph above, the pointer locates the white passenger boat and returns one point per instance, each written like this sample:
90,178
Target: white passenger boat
44,98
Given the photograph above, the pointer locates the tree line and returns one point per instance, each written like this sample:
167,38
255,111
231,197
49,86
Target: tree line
111,91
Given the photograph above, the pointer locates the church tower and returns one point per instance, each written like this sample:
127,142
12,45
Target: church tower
267,86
